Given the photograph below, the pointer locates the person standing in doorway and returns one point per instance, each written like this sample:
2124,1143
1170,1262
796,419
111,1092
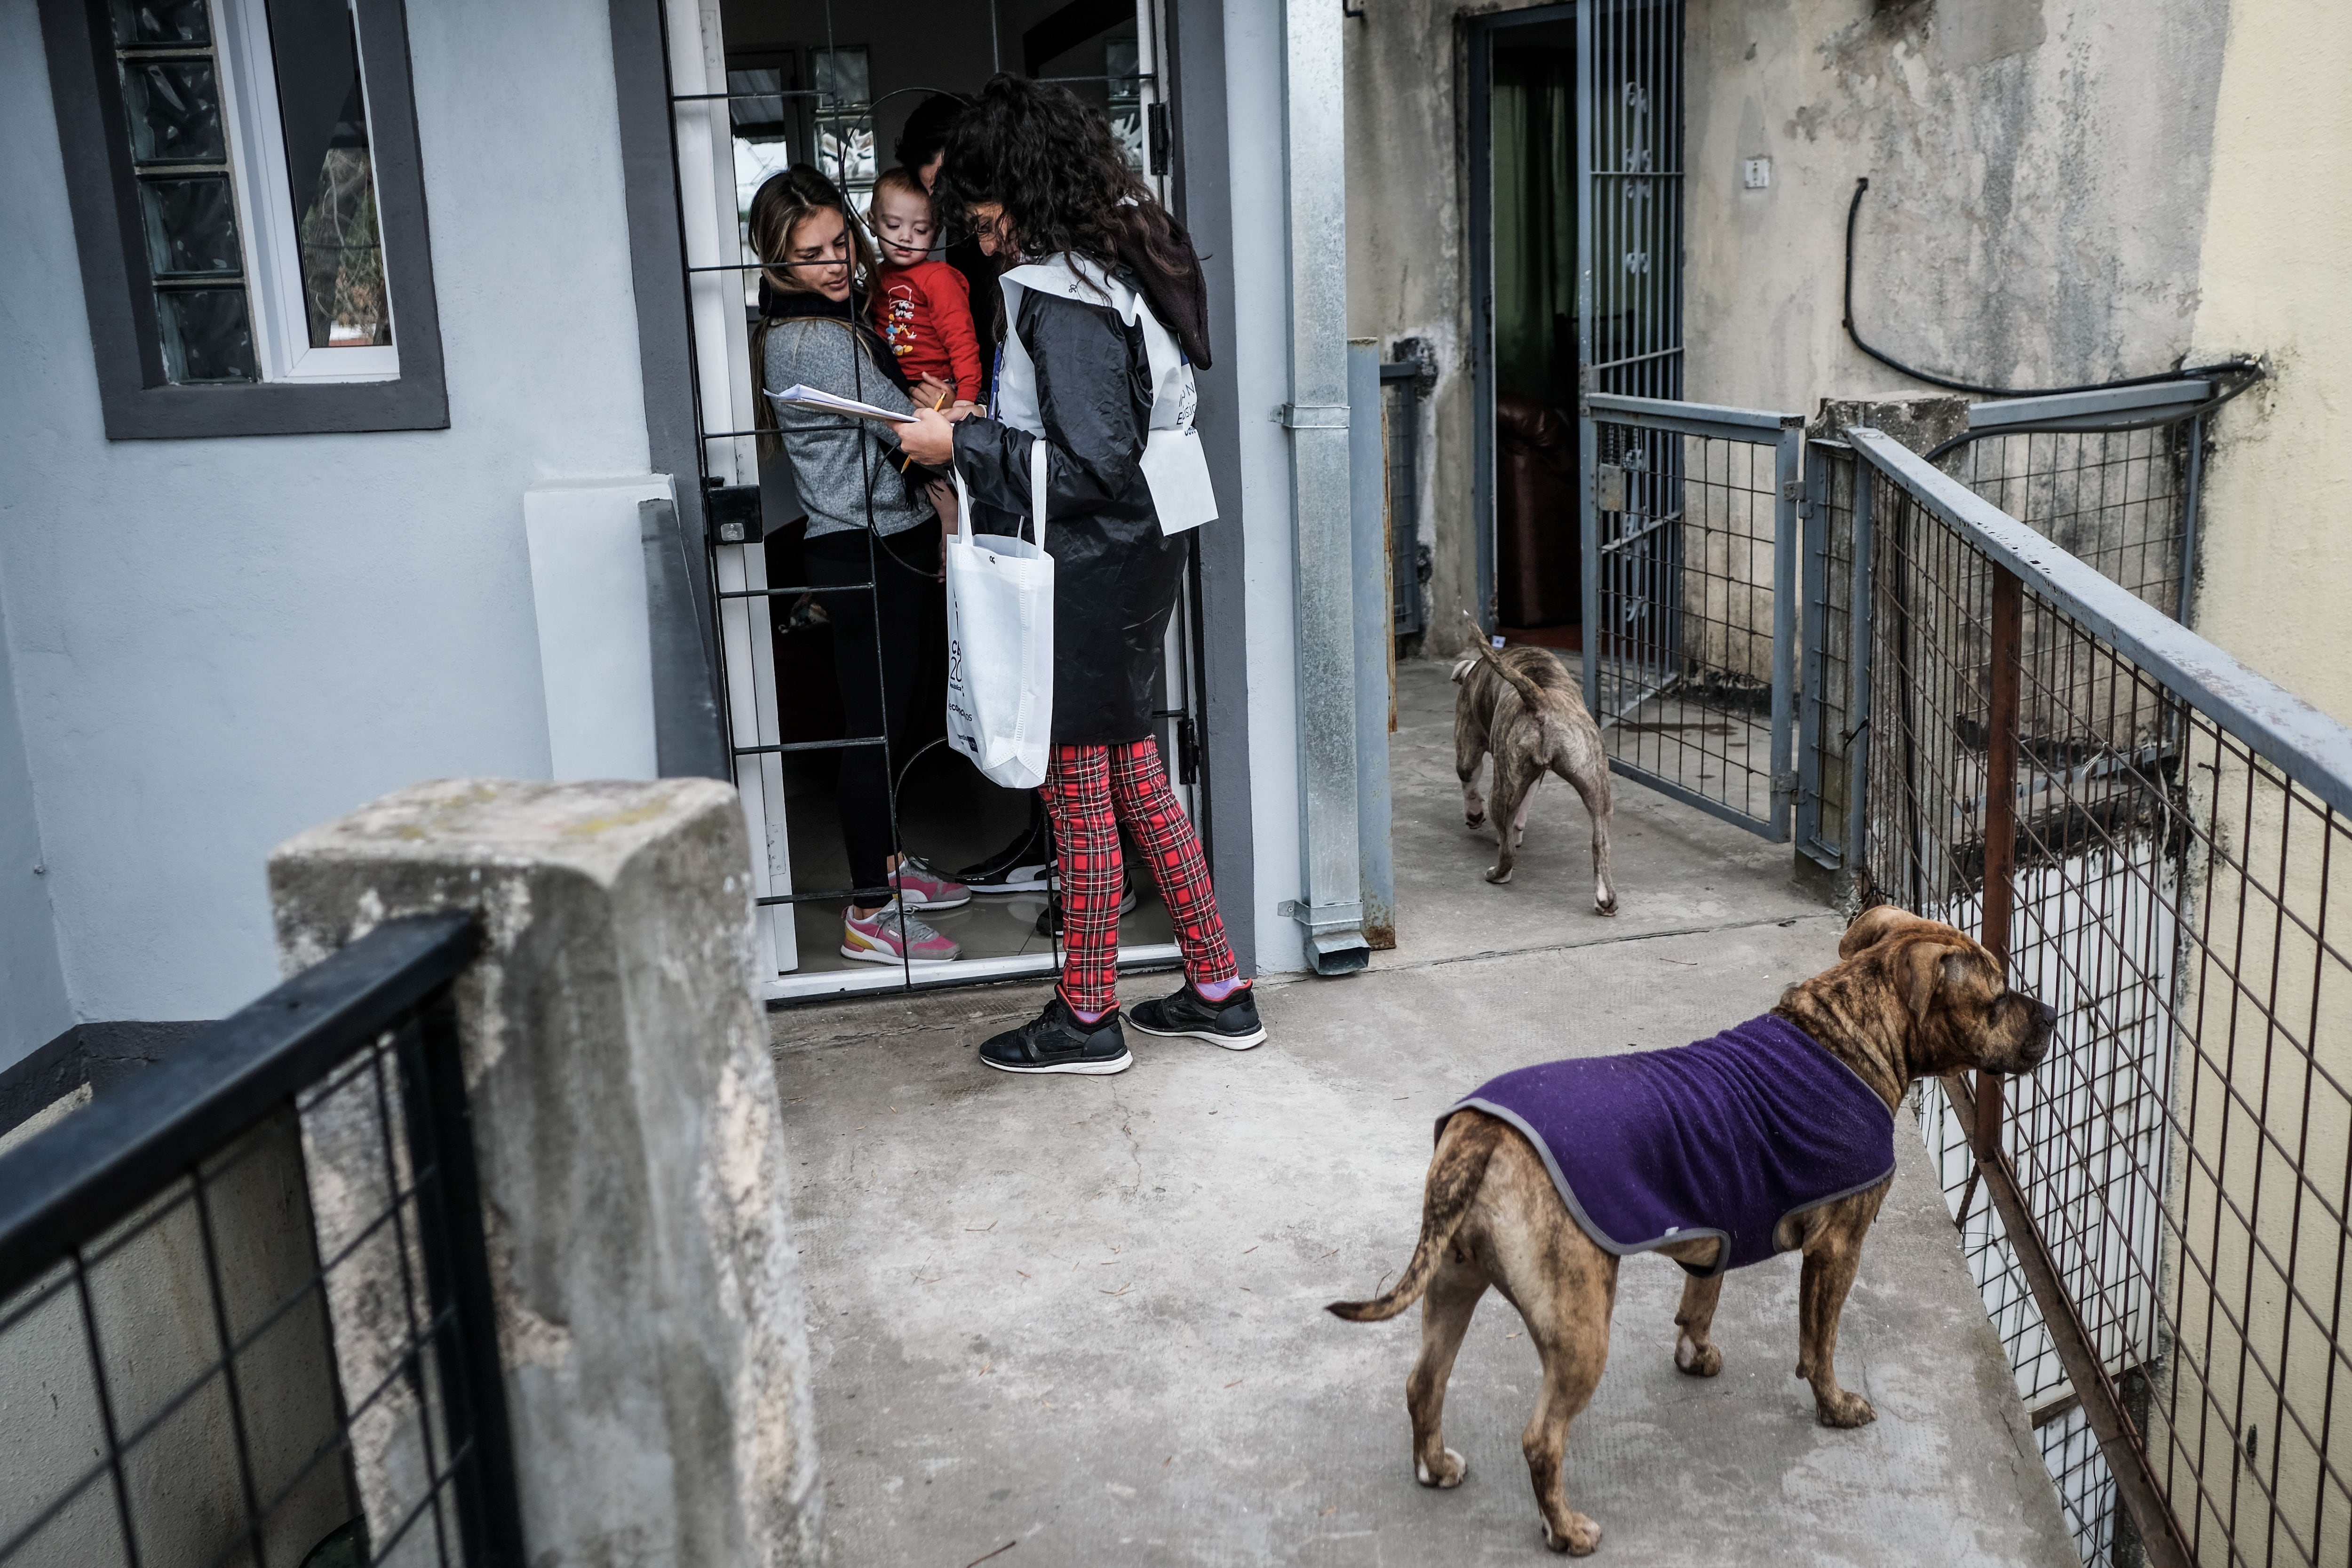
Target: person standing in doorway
1106,313
868,520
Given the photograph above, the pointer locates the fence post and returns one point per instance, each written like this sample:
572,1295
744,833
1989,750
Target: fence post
628,1151
2000,813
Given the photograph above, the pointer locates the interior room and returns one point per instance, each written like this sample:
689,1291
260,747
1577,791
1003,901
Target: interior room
1532,126
844,80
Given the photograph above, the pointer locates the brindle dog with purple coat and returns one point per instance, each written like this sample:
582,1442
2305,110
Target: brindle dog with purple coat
1908,998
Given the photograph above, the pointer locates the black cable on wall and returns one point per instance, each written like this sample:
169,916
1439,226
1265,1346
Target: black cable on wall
2240,365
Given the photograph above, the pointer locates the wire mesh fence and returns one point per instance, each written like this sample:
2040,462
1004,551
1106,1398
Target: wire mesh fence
2157,839
2118,501
205,1358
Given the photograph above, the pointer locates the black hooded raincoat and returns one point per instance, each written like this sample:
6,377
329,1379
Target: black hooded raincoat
1116,574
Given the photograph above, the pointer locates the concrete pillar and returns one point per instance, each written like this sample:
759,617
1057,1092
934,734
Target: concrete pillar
630,1149
1920,420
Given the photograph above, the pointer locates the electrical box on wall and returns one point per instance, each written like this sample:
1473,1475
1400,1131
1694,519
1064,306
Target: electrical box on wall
1756,174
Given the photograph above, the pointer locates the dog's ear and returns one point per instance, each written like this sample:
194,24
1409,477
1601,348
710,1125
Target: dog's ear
1872,925
1923,971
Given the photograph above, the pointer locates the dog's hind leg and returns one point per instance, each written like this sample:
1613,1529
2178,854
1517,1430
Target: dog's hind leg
1568,1318
1693,1351
1454,1295
1469,754
1514,784
1590,783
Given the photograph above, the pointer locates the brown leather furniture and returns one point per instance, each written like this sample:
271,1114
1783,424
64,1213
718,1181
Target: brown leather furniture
1540,559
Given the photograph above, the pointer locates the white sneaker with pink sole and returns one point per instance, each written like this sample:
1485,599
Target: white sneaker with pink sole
890,935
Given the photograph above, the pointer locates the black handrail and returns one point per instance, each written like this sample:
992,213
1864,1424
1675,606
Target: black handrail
73,1180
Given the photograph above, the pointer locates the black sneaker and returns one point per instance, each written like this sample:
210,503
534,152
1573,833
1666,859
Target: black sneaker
1054,1041
1049,919
1023,866
1231,1023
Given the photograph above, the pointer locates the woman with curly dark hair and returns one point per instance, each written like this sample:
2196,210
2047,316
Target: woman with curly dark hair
1105,316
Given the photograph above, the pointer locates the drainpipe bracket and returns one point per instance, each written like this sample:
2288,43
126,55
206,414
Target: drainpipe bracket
1313,415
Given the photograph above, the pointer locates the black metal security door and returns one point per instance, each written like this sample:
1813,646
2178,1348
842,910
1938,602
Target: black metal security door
830,96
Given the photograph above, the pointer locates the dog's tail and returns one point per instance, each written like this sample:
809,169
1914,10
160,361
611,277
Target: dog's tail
1529,692
1455,1174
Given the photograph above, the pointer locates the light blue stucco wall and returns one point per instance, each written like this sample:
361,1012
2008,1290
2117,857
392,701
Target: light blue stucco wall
33,1006
215,644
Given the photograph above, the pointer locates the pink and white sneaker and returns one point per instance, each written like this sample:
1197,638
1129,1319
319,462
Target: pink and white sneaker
890,935
921,886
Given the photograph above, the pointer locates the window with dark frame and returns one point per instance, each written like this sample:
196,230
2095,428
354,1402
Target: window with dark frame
250,214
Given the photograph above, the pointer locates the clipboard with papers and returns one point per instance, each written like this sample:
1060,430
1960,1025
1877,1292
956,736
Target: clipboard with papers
802,396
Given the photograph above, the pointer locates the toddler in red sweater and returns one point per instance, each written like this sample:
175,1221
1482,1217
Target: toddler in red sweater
922,308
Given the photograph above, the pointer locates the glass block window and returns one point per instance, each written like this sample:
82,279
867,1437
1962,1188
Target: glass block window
171,75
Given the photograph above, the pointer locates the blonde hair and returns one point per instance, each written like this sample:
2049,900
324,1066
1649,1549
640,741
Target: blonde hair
904,183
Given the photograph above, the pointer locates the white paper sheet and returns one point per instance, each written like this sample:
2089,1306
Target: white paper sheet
800,397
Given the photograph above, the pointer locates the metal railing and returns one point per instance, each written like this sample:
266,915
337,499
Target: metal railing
2158,842
207,1356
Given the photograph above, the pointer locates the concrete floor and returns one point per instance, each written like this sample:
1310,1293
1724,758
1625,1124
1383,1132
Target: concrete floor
1084,1315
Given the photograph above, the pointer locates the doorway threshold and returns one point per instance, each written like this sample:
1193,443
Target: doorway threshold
817,984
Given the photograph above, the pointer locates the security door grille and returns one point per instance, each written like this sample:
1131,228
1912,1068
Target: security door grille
741,116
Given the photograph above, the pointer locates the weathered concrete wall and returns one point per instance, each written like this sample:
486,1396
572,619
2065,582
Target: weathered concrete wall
2038,176
2037,186
1408,261
2277,553
631,1158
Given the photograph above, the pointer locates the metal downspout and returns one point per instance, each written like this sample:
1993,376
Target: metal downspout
1314,157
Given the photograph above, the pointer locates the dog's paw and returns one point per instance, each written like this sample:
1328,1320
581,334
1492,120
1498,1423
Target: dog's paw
1445,1474
1474,819
1605,904
1497,874
1699,1360
1844,1409
1577,1541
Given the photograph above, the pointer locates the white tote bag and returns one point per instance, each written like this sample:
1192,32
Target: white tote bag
1001,641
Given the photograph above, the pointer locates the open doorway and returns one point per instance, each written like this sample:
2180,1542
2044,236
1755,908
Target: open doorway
1575,244
1539,559
834,85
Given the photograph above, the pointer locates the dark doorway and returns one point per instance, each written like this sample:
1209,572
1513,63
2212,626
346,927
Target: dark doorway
1531,99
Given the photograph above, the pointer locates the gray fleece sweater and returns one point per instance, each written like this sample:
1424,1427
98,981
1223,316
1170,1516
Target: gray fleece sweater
839,462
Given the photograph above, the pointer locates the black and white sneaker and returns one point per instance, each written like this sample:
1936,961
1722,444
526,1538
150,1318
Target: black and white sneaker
1049,919
1023,866
1231,1023
1056,1041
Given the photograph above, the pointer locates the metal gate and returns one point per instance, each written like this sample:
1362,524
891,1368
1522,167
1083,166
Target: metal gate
1691,518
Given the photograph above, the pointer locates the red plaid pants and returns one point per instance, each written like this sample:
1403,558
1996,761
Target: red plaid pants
1089,791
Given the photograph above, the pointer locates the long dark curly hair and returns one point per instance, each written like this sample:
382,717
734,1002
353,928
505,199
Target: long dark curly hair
1039,150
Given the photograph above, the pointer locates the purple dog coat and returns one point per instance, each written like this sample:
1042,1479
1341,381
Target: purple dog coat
1723,1137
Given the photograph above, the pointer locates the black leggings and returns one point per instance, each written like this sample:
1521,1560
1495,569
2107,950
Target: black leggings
878,688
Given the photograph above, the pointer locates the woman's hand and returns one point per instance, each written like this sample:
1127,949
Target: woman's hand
932,393
929,439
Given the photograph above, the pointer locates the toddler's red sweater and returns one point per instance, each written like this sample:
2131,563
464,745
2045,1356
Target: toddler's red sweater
924,313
